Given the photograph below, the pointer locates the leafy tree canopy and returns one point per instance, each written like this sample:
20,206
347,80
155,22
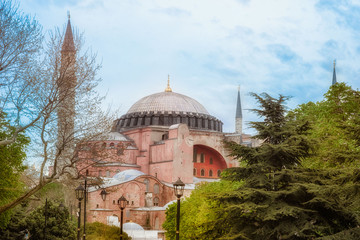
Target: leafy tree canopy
100,231
11,166
200,212
335,129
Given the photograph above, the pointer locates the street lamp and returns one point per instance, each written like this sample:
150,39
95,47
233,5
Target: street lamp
85,198
103,194
80,191
179,190
122,204
46,216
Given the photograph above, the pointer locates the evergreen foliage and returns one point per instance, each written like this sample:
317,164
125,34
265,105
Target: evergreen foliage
58,225
284,138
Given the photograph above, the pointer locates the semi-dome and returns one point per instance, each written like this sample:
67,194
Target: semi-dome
128,175
167,102
165,109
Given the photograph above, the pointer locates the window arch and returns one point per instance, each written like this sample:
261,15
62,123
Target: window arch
219,173
211,160
202,172
156,188
146,181
210,173
112,145
202,157
107,173
156,201
194,155
194,172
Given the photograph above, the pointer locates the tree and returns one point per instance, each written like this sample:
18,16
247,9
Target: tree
58,224
199,212
20,40
284,141
34,95
100,231
11,165
335,130
286,201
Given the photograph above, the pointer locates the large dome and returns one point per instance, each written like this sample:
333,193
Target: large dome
168,102
165,109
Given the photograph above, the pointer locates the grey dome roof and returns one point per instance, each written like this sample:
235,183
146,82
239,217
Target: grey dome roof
167,101
166,109
131,226
128,175
113,136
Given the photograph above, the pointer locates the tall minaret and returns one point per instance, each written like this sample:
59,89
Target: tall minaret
334,74
66,84
238,116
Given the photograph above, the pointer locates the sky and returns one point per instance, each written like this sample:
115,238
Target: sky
210,47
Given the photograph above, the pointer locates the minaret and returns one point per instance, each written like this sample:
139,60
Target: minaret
66,84
238,116
334,74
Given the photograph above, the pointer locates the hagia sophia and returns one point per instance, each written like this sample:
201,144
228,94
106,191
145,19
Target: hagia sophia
162,137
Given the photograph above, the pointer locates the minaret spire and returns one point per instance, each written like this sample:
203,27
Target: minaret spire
66,84
334,74
68,44
238,115
168,88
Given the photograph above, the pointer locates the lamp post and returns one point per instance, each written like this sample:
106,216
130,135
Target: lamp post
179,190
46,216
85,198
79,196
103,194
122,204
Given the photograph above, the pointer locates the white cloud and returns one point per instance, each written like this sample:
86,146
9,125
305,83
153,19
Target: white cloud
209,47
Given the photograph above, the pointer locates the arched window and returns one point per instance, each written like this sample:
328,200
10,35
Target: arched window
107,173
165,136
210,173
194,172
156,201
118,170
156,188
195,155
146,181
103,146
112,145
219,173
202,157
211,160
202,173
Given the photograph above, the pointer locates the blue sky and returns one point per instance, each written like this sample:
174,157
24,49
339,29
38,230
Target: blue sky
209,47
